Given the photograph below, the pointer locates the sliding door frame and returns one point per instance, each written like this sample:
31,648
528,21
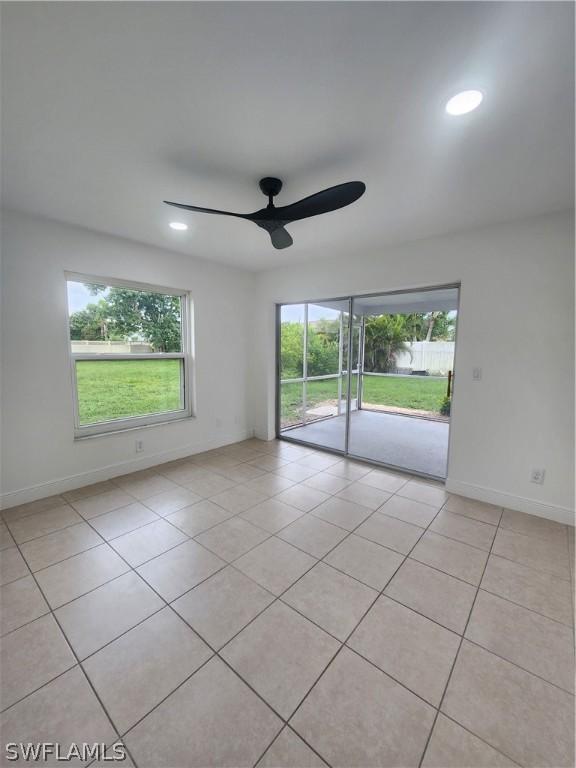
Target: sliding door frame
350,299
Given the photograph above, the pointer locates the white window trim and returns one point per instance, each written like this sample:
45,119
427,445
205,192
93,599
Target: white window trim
135,422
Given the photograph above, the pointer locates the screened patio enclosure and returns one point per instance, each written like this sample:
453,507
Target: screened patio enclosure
349,383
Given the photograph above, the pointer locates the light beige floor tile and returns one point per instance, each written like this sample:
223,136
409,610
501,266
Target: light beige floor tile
243,473
12,566
147,542
385,481
540,554
296,472
232,538
478,510
530,525
31,507
409,511
222,605
312,535
30,657
102,503
71,578
280,654
272,515
538,591
88,490
343,513
539,645
270,484
124,520
211,721
171,501
366,561
238,499
274,564
365,495
199,517
330,599
390,532
42,523
319,460
452,557
268,463
413,650
135,672
432,593
289,751
326,482
95,619
182,472
358,716
351,470
434,495
180,569
146,487
6,539
451,746
302,497
65,712
464,529
20,602
55,547
209,484
526,718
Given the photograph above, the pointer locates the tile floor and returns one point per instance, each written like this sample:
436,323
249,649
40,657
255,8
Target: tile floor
265,604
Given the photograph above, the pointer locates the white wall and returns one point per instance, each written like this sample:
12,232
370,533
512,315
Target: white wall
40,455
516,322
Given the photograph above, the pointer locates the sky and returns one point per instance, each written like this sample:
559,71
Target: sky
79,297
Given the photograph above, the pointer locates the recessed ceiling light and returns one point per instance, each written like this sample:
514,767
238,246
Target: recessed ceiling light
179,225
464,102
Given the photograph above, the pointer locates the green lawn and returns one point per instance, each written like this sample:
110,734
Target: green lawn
418,392
115,389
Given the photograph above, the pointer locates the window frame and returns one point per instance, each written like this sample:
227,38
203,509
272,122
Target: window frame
185,355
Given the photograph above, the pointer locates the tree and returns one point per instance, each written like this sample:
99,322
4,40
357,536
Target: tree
91,323
151,317
385,338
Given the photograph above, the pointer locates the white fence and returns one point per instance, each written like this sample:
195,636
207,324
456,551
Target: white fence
111,347
436,357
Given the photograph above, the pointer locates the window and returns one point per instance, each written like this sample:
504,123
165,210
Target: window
129,349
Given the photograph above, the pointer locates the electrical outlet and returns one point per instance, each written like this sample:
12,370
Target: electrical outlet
537,476
477,374
139,446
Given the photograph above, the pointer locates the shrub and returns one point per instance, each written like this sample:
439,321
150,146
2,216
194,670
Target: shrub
445,406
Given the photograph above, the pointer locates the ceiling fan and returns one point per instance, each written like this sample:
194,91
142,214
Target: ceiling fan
273,219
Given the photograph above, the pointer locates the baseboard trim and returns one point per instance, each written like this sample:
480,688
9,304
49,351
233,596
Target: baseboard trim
509,501
71,482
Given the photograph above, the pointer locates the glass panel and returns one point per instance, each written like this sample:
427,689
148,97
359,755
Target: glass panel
406,376
313,409
117,320
117,389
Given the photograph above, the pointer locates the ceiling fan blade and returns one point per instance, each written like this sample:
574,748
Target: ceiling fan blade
206,210
281,238
322,202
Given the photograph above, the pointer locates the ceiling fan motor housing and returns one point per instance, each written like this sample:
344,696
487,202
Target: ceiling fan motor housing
270,186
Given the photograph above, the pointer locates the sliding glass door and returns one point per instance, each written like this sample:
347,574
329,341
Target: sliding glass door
370,376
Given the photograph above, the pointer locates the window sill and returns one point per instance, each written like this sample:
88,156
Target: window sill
134,428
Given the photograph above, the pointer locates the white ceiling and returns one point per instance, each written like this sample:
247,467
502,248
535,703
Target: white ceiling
108,108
